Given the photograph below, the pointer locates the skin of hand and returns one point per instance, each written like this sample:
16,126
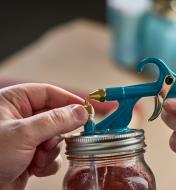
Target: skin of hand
169,117
33,118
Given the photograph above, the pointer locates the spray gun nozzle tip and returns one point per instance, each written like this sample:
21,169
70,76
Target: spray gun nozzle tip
98,95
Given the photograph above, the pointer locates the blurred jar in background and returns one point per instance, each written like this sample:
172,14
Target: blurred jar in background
158,33
124,17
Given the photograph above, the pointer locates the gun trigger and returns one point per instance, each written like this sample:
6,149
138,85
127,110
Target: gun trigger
161,97
158,108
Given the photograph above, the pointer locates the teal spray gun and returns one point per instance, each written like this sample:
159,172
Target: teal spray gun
127,97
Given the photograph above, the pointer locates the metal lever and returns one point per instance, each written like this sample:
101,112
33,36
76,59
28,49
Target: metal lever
161,97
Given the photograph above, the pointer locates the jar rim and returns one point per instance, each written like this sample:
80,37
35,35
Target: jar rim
80,145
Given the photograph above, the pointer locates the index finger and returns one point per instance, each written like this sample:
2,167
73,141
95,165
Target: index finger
39,96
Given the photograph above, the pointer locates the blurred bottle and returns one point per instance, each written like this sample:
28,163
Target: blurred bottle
158,33
124,17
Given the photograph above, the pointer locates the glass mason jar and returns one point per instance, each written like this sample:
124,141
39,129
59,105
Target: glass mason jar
108,162
157,31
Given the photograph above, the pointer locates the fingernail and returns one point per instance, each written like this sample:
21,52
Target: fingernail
79,112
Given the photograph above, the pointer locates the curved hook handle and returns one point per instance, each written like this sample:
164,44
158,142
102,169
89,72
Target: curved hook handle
165,82
163,68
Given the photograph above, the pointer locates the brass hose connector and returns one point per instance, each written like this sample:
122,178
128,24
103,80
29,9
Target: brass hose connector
88,106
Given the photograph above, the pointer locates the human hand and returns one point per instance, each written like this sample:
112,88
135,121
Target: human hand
169,117
32,119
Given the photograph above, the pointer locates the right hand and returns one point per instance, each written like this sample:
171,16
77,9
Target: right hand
32,119
169,117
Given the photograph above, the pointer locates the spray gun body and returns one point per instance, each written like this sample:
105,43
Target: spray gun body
145,90
127,96
120,93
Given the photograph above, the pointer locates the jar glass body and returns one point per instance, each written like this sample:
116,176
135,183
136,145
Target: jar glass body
109,172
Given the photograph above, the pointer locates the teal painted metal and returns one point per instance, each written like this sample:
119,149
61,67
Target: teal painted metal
127,96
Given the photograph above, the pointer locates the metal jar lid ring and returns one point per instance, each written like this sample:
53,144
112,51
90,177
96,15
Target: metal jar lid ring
79,145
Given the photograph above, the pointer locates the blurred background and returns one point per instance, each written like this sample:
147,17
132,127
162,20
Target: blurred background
85,45
24,21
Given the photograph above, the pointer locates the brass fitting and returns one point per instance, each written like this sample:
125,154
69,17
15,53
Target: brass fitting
99,95
88,106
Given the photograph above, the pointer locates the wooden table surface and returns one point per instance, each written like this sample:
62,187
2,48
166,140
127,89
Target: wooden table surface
76,55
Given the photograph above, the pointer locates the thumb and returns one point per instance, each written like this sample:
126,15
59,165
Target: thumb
44,126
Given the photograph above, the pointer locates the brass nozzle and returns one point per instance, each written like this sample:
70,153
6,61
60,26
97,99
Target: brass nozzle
89,107
99,95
